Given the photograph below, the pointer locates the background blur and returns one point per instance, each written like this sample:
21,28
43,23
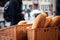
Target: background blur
45,5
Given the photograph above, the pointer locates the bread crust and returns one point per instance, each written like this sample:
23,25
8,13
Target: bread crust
55,21
48,21
22,22
39,21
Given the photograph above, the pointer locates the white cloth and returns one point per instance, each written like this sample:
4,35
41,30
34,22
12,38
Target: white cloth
33,12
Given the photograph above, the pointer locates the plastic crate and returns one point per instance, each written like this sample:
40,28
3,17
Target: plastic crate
16,32
50,33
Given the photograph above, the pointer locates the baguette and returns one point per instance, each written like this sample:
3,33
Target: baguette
39,21
55,21
47,22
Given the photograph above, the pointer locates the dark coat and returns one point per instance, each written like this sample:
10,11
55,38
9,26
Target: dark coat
57,7
15,9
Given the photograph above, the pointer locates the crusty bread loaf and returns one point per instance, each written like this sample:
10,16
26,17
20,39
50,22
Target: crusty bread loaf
39,21
22,22
48,21
55,21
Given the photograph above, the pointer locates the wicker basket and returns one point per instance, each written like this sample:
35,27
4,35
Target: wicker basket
16,32
59,33
43,33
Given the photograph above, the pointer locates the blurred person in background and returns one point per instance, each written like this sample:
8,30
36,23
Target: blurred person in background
51,12
15,11
28,11
46,11
23,12
36,11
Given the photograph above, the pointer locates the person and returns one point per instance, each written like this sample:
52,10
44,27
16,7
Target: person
57,7
51,12
28,11
15,11
23,12
35,12
5,13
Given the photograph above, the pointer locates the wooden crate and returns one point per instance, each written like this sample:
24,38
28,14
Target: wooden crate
16,32
43,34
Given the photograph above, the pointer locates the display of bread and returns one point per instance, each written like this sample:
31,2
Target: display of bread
22,22
42,20
39,21
48,21
55,21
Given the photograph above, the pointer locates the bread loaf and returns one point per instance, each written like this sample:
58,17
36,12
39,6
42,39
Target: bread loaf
39,21
55,21
48,21
22,22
